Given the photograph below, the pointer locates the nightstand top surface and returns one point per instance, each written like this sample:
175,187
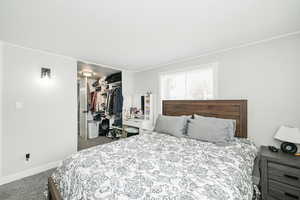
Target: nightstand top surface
280,156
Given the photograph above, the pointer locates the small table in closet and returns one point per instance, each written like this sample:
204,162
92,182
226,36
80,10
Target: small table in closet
132,124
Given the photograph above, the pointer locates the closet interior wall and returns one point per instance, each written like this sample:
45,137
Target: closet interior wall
100,103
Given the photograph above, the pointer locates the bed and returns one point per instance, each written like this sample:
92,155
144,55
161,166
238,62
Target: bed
159,166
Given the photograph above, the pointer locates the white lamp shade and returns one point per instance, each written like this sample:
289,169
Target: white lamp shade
288,134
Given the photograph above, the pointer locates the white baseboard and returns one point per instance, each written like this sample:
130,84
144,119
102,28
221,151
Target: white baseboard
28,172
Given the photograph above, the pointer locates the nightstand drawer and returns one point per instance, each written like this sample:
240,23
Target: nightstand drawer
282,191
284,174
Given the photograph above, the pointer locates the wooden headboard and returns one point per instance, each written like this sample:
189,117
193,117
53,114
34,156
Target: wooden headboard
226,109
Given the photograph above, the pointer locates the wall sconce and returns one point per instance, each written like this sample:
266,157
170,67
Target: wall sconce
46,73
87,74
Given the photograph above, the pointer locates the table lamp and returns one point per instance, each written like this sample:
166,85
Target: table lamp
290,136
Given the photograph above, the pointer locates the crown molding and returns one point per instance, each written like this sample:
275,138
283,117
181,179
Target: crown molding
218,51
175,61
59,55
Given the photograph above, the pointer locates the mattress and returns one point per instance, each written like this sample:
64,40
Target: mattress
154,166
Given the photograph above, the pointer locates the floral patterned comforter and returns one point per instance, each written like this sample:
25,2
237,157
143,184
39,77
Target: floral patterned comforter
157,166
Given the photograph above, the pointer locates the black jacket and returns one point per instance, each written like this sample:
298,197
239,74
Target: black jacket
118,101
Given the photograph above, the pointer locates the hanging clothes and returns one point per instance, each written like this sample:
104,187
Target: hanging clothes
118,100
116,106
118,120
100,102
93,102
110,103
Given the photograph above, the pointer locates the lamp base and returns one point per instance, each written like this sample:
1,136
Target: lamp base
288,147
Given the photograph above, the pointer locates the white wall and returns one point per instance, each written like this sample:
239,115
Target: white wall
46,126
127,88
1,127
266,74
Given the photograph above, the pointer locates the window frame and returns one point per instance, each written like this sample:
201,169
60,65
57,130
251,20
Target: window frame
214,66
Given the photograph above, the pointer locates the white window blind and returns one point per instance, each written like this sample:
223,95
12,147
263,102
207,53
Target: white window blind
197,83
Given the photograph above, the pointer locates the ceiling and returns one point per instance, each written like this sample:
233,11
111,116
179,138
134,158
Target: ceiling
97,71
138,34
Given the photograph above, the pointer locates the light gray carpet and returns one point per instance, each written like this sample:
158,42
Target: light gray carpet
33,187
83,144
29,188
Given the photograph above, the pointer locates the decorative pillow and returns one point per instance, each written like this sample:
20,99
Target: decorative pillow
172,125
210,130
231,124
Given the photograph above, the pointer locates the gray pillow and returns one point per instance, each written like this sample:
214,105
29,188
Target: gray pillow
188,117
231,124
209,130
172,125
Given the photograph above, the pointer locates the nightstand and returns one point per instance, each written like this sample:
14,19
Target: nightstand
280,175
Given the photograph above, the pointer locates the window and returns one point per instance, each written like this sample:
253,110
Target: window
194,84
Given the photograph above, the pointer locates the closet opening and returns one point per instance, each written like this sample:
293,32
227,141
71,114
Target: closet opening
100,104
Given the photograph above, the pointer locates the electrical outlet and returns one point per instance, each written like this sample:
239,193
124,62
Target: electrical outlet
27,156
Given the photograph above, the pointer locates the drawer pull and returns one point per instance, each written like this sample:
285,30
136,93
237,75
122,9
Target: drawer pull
291,195
291,177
